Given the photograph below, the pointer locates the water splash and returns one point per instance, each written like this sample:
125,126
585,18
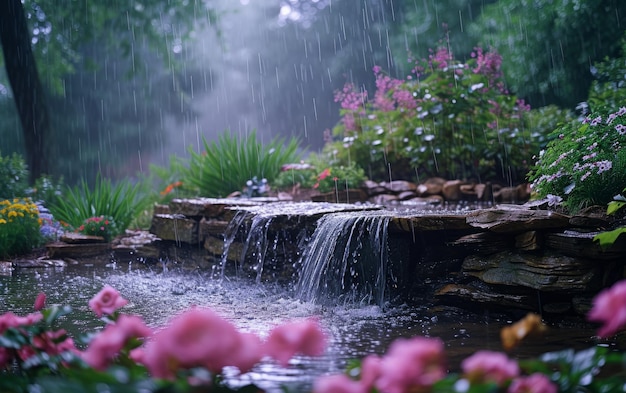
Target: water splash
346,260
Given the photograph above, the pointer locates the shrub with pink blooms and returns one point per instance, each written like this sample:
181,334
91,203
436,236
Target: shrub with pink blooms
448,118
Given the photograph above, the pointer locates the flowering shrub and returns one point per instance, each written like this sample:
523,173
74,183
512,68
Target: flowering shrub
19,227
448,118
585,163
99,226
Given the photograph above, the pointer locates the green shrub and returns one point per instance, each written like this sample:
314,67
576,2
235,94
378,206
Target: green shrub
226,166
289,178
19,227
339,178
585,163
450,119
121,202
13,176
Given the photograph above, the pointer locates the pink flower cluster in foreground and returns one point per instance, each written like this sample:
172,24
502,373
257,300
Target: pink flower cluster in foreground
414,365
51,343
196,338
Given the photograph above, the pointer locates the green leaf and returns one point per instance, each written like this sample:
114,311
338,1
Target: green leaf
614,206
606,239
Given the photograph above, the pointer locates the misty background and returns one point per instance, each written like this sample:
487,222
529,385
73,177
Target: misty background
120,102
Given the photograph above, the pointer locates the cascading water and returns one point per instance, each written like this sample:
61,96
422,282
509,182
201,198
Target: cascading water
346,260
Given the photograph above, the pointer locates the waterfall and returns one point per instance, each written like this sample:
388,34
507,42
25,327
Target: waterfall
346,259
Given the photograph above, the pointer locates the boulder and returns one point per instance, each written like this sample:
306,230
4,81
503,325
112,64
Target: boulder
451,190
511,219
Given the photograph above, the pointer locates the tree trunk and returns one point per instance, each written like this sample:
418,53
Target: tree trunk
27,89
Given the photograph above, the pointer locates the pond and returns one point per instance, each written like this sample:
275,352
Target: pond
156,292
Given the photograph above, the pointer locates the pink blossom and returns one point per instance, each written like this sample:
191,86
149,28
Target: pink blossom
535,383
40,301
370,370
107,345
490,366
305,337
10,320
411,364
248,353
196,338
609,307
339,383
107,301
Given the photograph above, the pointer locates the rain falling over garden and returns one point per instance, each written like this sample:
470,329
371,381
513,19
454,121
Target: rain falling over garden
313,195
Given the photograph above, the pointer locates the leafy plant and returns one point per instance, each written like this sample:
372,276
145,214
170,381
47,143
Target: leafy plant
607,238
121,202
13,176
448,118
99,226
585,163
226,165
339,178
295,177
19,227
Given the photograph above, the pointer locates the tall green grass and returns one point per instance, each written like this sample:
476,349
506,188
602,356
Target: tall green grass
225,166
121,201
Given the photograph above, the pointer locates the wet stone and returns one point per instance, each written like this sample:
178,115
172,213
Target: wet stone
175,227
207,207
503,219
581,244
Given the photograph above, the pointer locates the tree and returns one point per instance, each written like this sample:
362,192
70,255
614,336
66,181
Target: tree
27,88
548,46
59,38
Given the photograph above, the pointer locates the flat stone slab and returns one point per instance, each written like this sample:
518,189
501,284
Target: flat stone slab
428,221
304,209
505,219
209,207
83,250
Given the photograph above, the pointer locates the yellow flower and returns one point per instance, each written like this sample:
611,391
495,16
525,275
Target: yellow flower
3,221
12,214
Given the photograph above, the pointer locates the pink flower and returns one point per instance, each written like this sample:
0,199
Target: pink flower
305,337
609,307
40,302
107,301
339,383
107,345
195,338
490,366
535,383
248,353
411,364
6,355
370,371
10,320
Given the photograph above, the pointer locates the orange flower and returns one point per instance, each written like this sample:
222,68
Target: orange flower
171,187
325,173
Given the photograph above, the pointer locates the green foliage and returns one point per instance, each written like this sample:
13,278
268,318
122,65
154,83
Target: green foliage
585,163
449,119
13,176
607,238
609,85
547,45
293,177
19,227
121,202
339,178
226,165
167,180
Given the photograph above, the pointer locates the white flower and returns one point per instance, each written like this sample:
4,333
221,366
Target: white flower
554,200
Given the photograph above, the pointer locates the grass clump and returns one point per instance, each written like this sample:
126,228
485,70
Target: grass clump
226,165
